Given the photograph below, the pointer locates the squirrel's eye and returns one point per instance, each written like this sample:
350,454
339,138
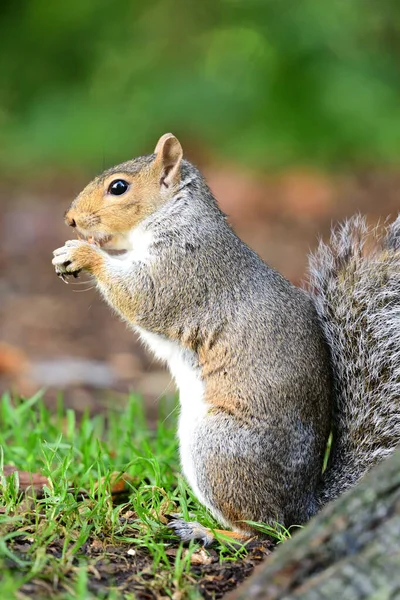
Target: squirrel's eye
118,187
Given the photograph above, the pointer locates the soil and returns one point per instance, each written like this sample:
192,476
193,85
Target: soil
131,570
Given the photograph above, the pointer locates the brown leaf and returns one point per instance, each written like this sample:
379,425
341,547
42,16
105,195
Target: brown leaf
12,359
96,545
27,480
120,483
167,506
200,557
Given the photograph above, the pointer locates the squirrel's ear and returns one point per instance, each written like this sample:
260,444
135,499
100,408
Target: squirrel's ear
169,156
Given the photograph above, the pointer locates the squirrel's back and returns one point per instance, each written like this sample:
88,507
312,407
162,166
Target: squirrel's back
355,284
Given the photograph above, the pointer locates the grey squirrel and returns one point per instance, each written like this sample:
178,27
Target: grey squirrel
265,370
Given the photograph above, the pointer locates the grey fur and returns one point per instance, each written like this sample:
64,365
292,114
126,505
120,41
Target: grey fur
261,458
357,295
258,343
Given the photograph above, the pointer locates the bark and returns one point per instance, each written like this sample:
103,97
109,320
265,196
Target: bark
349,551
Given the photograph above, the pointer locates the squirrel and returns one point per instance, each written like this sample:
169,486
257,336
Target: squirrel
266,371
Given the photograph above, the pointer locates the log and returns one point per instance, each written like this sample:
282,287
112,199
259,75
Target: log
349,551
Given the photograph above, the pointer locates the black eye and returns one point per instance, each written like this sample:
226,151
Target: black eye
118,187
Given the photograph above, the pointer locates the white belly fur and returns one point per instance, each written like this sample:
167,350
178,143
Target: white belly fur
191,396
179,361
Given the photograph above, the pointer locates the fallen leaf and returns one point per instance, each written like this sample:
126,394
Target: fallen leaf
27,480
119,483
12,359
96,545
199,557
128,514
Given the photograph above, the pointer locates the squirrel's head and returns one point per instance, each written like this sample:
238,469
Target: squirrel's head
116,201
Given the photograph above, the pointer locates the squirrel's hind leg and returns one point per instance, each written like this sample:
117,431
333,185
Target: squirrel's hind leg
193,530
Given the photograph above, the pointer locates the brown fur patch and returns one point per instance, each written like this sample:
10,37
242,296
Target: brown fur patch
234,535
234,516
217,369
96,211
88,258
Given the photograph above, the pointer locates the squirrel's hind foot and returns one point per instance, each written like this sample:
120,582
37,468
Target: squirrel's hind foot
193,530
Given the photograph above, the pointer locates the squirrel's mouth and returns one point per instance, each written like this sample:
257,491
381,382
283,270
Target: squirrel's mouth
96,239
111,243
101,241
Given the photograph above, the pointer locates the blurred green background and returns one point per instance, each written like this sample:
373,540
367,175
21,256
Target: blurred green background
268,83
291,108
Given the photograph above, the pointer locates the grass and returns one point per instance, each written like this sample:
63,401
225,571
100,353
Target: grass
53,543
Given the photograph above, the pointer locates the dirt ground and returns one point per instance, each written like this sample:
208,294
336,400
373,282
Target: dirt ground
61,337
131,571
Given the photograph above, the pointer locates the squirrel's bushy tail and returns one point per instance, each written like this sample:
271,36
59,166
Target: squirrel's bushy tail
355,283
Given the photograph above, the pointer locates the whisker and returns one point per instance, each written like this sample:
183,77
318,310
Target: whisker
80,282
171,413
164,391
89,278
87,290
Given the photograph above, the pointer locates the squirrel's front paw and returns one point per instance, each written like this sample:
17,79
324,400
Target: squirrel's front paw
75,256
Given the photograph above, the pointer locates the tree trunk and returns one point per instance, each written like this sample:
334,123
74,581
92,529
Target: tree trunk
349,551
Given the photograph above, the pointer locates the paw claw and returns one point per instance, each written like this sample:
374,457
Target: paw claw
71,259
191,530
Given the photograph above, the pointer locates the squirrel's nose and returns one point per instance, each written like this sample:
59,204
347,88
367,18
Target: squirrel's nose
71,222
